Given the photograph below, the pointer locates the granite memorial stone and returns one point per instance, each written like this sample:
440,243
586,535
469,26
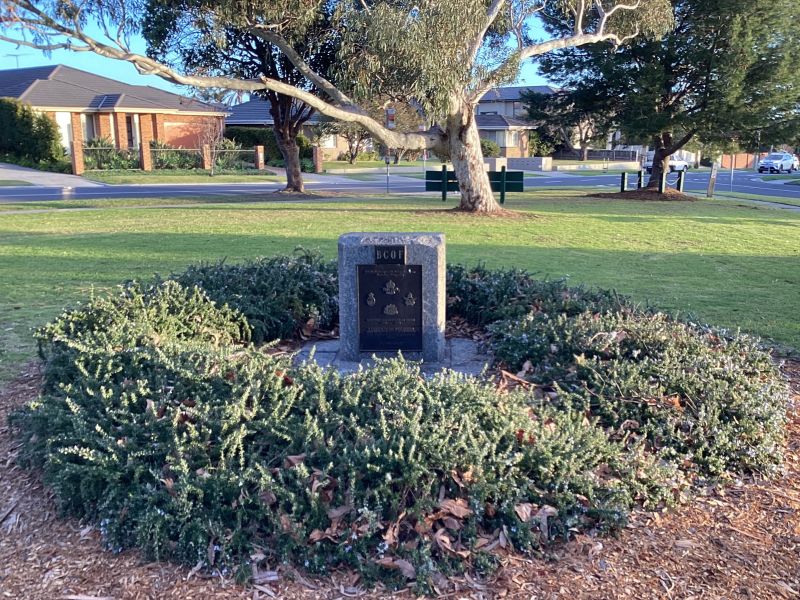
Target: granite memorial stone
392,295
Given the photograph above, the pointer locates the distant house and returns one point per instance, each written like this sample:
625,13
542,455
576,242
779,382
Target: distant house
255,113
86,106
500,118
507,101
507,132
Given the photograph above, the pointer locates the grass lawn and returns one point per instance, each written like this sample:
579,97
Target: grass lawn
781,176
375,164
742,196
13,182
731,265
178,176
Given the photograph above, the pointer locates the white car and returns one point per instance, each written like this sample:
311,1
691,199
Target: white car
777,162
674,165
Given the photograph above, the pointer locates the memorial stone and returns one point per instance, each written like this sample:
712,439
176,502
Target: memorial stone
392,295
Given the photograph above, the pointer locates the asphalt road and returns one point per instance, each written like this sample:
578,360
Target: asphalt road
743,182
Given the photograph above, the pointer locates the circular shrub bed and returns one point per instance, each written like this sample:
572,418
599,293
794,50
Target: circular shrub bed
160,421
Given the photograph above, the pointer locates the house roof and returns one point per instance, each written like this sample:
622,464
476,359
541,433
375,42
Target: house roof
256,112
497,122
60,86
514,93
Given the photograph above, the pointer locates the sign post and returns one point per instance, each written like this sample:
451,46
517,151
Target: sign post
712,182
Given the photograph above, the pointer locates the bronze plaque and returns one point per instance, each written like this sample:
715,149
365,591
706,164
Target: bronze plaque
389,308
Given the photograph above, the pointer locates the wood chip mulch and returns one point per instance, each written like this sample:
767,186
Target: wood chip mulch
648,194
740,541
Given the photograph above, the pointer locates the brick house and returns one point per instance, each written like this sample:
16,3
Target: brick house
86,106
500,118
255,113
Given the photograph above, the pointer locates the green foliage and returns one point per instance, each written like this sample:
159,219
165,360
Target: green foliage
171,158
278,296
713,400
248,137
137,318
305,146
101,154
483,296
489,149
64,165
28,134
540,144
201,454
155,424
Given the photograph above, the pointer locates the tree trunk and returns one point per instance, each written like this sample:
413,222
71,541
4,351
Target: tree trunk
287,144
584,153
660,161
465,153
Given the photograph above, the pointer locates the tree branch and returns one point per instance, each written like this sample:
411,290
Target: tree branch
301,65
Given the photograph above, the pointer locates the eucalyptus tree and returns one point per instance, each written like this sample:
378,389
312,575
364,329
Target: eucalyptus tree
724,73
442,55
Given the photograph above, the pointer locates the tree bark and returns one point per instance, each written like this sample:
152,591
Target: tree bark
465,152
287,144
661,156
584,153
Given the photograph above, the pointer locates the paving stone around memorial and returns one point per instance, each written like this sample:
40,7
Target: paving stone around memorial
460,354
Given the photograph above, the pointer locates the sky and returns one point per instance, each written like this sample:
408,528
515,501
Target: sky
11,57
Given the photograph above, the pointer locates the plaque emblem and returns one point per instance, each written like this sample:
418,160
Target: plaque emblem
410,300
371,299
390,310
390,289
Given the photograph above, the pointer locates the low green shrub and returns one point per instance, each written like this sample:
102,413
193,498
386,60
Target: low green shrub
169,157
101,154
160,425
278,296
205,455
482,296
489,148
137,316
714,400
62,165
249,137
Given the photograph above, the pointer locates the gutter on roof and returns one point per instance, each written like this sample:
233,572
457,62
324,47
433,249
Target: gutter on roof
133,109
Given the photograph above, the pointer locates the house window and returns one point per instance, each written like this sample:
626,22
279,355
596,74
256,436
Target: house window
329,141
516,109
513,139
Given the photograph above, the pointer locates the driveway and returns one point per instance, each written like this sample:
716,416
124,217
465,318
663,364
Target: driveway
43,178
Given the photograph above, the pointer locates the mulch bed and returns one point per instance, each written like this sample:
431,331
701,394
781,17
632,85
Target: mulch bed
739,541
649,194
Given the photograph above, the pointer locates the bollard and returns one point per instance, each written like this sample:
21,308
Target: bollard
662,182
623,184
444,183
681,180
502,185
640,179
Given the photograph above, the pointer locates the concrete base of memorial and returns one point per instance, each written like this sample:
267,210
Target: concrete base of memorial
377,315
460,354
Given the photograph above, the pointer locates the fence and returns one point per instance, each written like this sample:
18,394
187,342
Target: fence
107,159
599,155
165,158
176,158
234,159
